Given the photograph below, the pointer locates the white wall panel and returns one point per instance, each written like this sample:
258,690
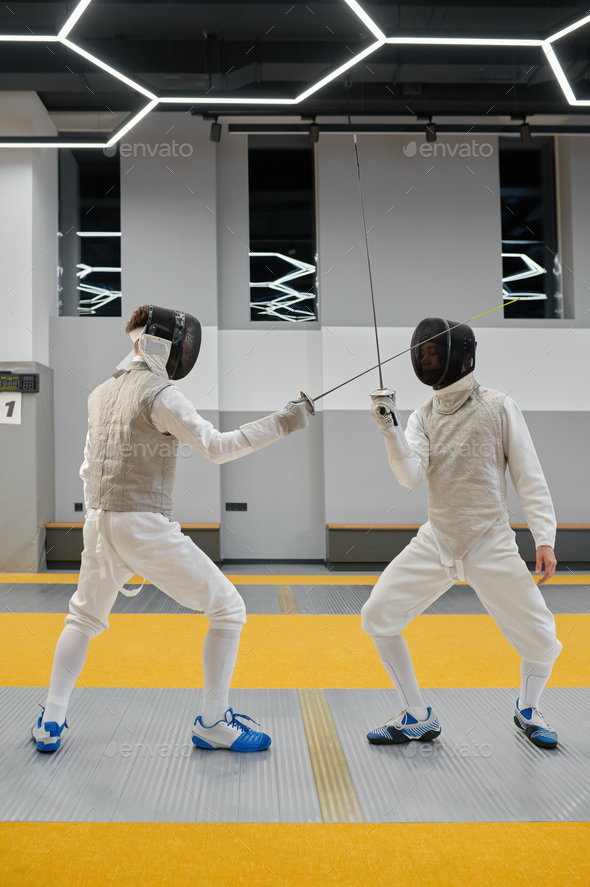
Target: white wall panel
261,371
542,369
28,231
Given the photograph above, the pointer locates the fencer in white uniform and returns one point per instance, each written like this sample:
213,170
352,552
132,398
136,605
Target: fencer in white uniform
137,420
461,441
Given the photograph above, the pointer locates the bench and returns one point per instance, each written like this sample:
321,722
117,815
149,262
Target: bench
64,544
372,546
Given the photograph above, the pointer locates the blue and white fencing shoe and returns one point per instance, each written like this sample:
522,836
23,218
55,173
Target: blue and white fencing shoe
47,735
230,733
405,727
534,724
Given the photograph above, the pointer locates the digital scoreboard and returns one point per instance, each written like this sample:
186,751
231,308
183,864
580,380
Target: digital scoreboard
27,382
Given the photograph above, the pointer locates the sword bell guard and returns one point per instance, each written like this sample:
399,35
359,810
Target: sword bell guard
305,398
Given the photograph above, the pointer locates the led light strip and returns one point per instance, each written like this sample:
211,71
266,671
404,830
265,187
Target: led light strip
534,269
381,40
463,41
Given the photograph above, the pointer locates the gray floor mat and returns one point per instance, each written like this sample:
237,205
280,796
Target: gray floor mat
128,757
35,598
481,769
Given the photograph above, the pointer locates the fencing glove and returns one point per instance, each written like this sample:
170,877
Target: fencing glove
383,408
293,417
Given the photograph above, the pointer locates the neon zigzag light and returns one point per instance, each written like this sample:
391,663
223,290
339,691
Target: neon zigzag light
380,40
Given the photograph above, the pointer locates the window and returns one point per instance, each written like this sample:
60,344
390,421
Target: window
530,250
283,260
90,233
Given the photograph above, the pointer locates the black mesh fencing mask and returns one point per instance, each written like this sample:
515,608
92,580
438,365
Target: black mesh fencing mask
183,331
442,351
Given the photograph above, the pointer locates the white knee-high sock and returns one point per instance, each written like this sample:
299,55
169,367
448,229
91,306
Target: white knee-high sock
68,662
397,662
533,677
220,652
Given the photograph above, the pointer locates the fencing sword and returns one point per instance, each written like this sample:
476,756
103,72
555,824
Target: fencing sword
382,392
310,401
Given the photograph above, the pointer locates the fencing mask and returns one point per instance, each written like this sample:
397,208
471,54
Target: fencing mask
446,358
183,331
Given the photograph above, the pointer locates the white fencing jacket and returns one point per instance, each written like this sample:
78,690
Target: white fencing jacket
409,457
172,412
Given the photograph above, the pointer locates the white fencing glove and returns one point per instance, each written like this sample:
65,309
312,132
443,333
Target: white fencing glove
293,417
383,407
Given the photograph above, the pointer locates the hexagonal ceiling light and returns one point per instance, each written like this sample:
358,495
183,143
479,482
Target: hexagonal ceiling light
62,37
380,40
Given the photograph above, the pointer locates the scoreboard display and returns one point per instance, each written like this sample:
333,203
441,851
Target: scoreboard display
27,382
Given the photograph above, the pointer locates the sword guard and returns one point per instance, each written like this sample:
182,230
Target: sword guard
305,398
382,392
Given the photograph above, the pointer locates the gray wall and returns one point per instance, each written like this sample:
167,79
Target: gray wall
361,488
283,487
69,243
232,248
420,261
26,474
168,222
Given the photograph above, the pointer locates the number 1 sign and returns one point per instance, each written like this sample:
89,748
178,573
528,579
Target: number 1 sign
10,404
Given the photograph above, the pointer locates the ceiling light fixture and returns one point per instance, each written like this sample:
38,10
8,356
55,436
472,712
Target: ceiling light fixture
98,233
131,123
381,40
215,134
462,41
80,8
525,131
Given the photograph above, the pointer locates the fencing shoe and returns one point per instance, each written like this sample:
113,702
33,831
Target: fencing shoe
404,727
230,733
47,735
533,722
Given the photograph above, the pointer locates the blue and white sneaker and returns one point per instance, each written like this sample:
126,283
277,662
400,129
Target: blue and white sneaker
47,735
230,733
533,722
405,727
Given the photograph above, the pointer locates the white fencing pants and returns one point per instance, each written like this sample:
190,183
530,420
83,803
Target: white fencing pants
121,544
492,567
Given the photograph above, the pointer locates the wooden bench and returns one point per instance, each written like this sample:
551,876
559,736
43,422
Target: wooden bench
371,546
64,544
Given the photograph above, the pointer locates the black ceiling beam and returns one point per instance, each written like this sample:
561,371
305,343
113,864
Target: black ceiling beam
409,128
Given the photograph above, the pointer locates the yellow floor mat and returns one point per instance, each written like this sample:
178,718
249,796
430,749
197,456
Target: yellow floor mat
264,855
142,650
329,578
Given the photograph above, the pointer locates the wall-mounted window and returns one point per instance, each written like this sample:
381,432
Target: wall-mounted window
530,244
90,233
283,255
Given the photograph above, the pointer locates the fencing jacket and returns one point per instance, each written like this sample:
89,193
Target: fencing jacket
147,414
462,440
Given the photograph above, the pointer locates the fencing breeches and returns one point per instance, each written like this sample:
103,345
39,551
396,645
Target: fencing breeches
500,578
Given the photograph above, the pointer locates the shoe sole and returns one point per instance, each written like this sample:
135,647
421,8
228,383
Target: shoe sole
200,743
400,738
45,746
528,730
